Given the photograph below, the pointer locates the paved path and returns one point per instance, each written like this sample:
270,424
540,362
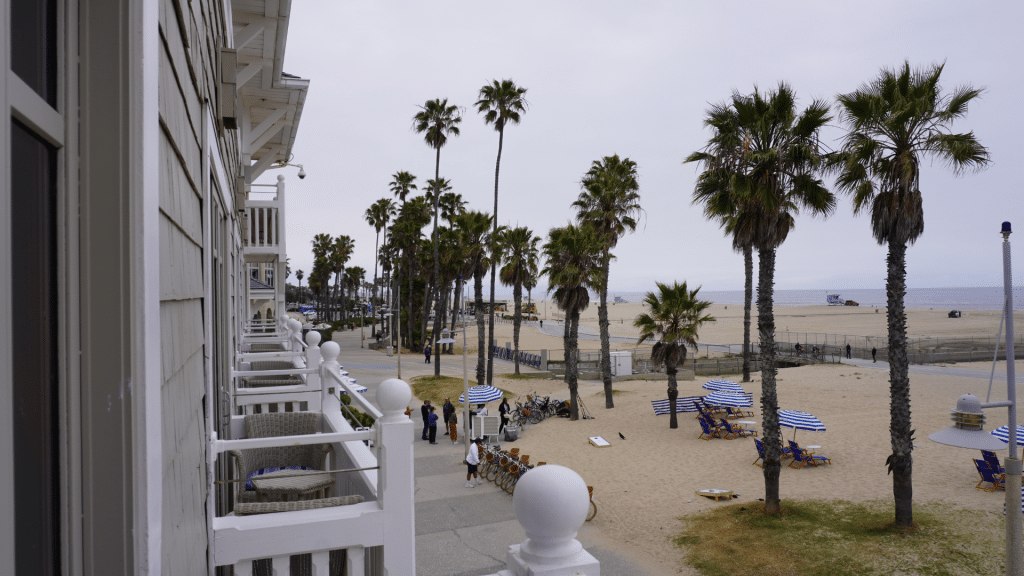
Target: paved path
460,531
931,369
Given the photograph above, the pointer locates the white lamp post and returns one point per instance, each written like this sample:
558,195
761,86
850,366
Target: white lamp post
968,428
447,339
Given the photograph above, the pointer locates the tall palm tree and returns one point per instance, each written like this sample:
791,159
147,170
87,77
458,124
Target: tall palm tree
722,158
778,178
435,192
341,252
300,275
436,120
501,103
895,122
378,215
519,256
610,201
573,256
675,317
319,278
474,231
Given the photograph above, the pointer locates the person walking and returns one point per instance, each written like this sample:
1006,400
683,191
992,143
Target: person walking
472,459
503,411
426,353
453,428
432,425
848,352
447,410
873,352
425,411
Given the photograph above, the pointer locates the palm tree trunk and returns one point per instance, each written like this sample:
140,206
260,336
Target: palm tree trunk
412,320
478,295
494,260
517,318
456,310
376,250
438,320
748,270
572,368
602,320
673,393
428,296
772,436
900,462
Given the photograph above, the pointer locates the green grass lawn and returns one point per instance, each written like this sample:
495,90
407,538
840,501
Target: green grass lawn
836,538
437,389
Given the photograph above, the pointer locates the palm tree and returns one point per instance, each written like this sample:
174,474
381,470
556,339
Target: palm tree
436,190
342,251
573,256
895,121
675,317
610,201
722,158
436,120
501,103
778,177
378,215
519,255
300,275
474,231
402,184
319,278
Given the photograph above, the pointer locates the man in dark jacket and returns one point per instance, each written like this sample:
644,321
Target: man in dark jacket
446,411
425,411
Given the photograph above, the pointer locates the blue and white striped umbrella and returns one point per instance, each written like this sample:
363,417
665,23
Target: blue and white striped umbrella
1003,433
722,398
723,386
798,420
481,394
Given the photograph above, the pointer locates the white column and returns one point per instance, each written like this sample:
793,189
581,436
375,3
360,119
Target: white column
355,563
395,482
329,401
313,360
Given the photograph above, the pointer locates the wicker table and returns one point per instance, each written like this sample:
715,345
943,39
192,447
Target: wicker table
282,485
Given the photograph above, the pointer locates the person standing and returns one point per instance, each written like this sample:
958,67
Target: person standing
848,352
873,352
447,410
453,428
426,353
472,459
432,425
424,411
503,410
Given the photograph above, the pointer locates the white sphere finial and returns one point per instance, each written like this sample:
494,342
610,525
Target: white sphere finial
280,177
393,395
329,351
551,504
294,326
313,338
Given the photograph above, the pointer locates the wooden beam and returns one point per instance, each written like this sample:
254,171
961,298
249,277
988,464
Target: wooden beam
263,126
246,35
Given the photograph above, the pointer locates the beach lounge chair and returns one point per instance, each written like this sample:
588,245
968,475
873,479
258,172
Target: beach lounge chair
993,461
760,453
707,431
737,412
737,430
997,481
802,457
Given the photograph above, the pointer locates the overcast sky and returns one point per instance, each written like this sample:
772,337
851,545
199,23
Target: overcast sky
635,79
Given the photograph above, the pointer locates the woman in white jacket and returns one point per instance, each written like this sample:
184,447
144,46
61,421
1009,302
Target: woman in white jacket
472,459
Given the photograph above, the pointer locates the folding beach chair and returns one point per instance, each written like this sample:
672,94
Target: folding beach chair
803,458
998,481
993,461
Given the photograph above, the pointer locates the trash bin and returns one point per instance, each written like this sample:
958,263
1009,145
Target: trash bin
511,433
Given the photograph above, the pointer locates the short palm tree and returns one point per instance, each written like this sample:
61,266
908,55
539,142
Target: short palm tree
474,230
519,257
573,257
722,158
437,121
674,319
501,103
894,122
610,201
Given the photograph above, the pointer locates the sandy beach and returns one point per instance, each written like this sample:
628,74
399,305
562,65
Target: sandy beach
644,484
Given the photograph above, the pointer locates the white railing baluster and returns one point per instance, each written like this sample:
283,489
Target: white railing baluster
243,568
355,561
321,563
280,566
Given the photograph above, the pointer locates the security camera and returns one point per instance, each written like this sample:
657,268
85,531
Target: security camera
302,173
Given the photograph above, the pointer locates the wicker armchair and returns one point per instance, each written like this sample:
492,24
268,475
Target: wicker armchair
266,347
269,425
265,381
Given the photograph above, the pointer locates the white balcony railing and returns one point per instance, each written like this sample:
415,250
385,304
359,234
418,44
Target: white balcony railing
263,223
382,475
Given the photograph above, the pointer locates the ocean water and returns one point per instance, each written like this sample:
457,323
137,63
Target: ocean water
952,298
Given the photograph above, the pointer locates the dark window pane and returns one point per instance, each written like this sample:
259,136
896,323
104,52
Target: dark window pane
34,45
34,337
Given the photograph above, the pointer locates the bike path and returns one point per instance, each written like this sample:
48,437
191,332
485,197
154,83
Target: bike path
462,531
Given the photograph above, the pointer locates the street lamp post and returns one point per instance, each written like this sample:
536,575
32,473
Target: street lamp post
968,428
465,375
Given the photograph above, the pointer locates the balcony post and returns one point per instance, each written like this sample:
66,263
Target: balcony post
313,354
395,483
329,401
